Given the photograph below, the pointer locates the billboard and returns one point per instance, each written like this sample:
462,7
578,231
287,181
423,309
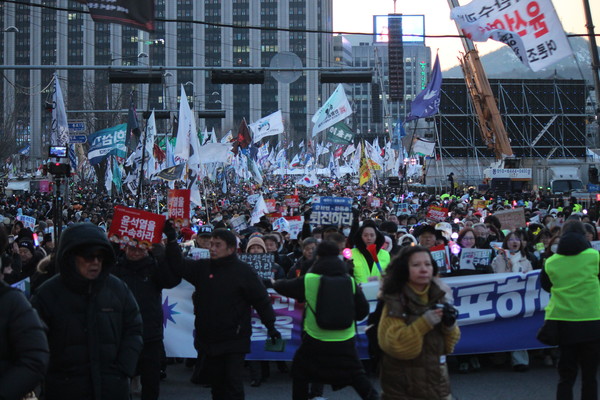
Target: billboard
411,25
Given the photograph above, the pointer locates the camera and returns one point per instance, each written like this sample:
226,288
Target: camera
449,313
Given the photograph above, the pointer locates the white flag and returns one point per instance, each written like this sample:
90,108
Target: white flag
267,126
184,130
260,209
227,138
530,28
336,109
60,126
215,152
149,165
349,150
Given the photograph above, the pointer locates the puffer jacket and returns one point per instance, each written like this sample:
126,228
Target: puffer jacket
23,345
146,278
424,377
94,326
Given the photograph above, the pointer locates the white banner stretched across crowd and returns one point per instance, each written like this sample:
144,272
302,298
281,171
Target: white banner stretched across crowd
498,312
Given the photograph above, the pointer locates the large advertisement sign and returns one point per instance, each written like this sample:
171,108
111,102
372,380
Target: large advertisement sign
413,28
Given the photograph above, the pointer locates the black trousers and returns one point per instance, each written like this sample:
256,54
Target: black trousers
225,375
149,369
585,355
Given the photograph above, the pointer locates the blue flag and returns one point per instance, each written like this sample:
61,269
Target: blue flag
427,103
109,141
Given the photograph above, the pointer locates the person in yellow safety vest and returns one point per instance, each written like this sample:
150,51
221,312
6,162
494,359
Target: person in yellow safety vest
334,302
365,267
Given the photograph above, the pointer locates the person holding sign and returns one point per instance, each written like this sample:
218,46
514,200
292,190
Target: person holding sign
147,273
417,329
226,288
365,266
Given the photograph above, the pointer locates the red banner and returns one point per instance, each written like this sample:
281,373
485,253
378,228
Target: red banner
134,227
271,205
179,207
291,201
437,213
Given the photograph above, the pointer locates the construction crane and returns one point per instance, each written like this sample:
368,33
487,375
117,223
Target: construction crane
493,133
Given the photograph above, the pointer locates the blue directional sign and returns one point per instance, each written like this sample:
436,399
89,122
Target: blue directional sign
77,126
77,138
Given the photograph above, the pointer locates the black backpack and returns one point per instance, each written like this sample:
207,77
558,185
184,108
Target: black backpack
335,302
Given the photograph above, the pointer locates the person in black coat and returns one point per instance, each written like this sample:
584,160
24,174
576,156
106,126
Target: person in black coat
146,274
23,346
333,361
226,288
94,323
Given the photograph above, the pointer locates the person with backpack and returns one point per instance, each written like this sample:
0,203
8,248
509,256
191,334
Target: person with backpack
334,302
417,329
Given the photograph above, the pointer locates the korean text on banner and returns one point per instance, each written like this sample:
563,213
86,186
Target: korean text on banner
497,313
109,141
512,219
28,221
470,258
441,255
331,211
530,28
137,228
263,264
336,109
179,207
291,201
437,213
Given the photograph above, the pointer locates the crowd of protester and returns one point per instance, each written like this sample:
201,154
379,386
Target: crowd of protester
87,284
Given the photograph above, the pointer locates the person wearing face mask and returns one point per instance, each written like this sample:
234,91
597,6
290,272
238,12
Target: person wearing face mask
365,268
482,236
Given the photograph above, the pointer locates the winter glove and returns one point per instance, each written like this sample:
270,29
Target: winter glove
433,317
274,334
169,231
449,315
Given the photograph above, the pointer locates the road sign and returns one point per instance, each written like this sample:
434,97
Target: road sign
77,138
77,126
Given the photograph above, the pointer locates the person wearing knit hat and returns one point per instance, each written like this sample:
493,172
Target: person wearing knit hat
26,249
255,245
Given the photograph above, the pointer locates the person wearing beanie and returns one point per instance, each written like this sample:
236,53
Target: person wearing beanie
24,262
259,246
95,326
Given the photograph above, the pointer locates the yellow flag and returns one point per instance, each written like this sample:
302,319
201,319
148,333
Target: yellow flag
364,172
373,165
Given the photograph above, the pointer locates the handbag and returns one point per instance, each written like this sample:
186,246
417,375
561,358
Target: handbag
548,333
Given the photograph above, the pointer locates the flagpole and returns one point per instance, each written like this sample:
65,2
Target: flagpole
408,155
141,180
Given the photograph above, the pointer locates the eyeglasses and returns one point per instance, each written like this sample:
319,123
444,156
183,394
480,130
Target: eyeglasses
89,257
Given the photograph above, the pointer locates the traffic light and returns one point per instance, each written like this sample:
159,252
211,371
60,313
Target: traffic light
238,77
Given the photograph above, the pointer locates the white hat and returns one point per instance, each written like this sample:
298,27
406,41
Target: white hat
446,229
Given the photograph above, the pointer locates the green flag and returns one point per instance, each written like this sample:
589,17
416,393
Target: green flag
339,133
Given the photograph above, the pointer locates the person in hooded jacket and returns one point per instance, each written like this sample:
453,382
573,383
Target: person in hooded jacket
572,277
147,273
94,323
327,355
23,344
365,268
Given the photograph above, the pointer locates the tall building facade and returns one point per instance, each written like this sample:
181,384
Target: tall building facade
191,34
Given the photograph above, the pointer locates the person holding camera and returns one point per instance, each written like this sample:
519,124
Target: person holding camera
417,328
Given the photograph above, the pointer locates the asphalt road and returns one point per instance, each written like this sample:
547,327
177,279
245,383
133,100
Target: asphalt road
489,383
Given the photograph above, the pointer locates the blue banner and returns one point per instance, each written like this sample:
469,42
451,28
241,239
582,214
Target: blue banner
110,141
331,211
498,312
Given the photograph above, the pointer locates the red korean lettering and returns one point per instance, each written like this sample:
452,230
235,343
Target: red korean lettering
537,19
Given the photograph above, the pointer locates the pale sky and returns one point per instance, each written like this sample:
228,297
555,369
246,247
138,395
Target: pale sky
357,16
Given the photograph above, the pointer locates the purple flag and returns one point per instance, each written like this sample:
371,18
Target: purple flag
427,103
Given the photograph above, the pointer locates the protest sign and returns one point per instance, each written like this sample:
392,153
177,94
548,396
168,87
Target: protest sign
479,204
374,202
271,205
469,258
28,222
331,211
441,255
136,228
281,225
512,219
295,226
437,213
196,253
496,246
238,223
291,201
253,198
179,207
497,313
403,208
264,264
